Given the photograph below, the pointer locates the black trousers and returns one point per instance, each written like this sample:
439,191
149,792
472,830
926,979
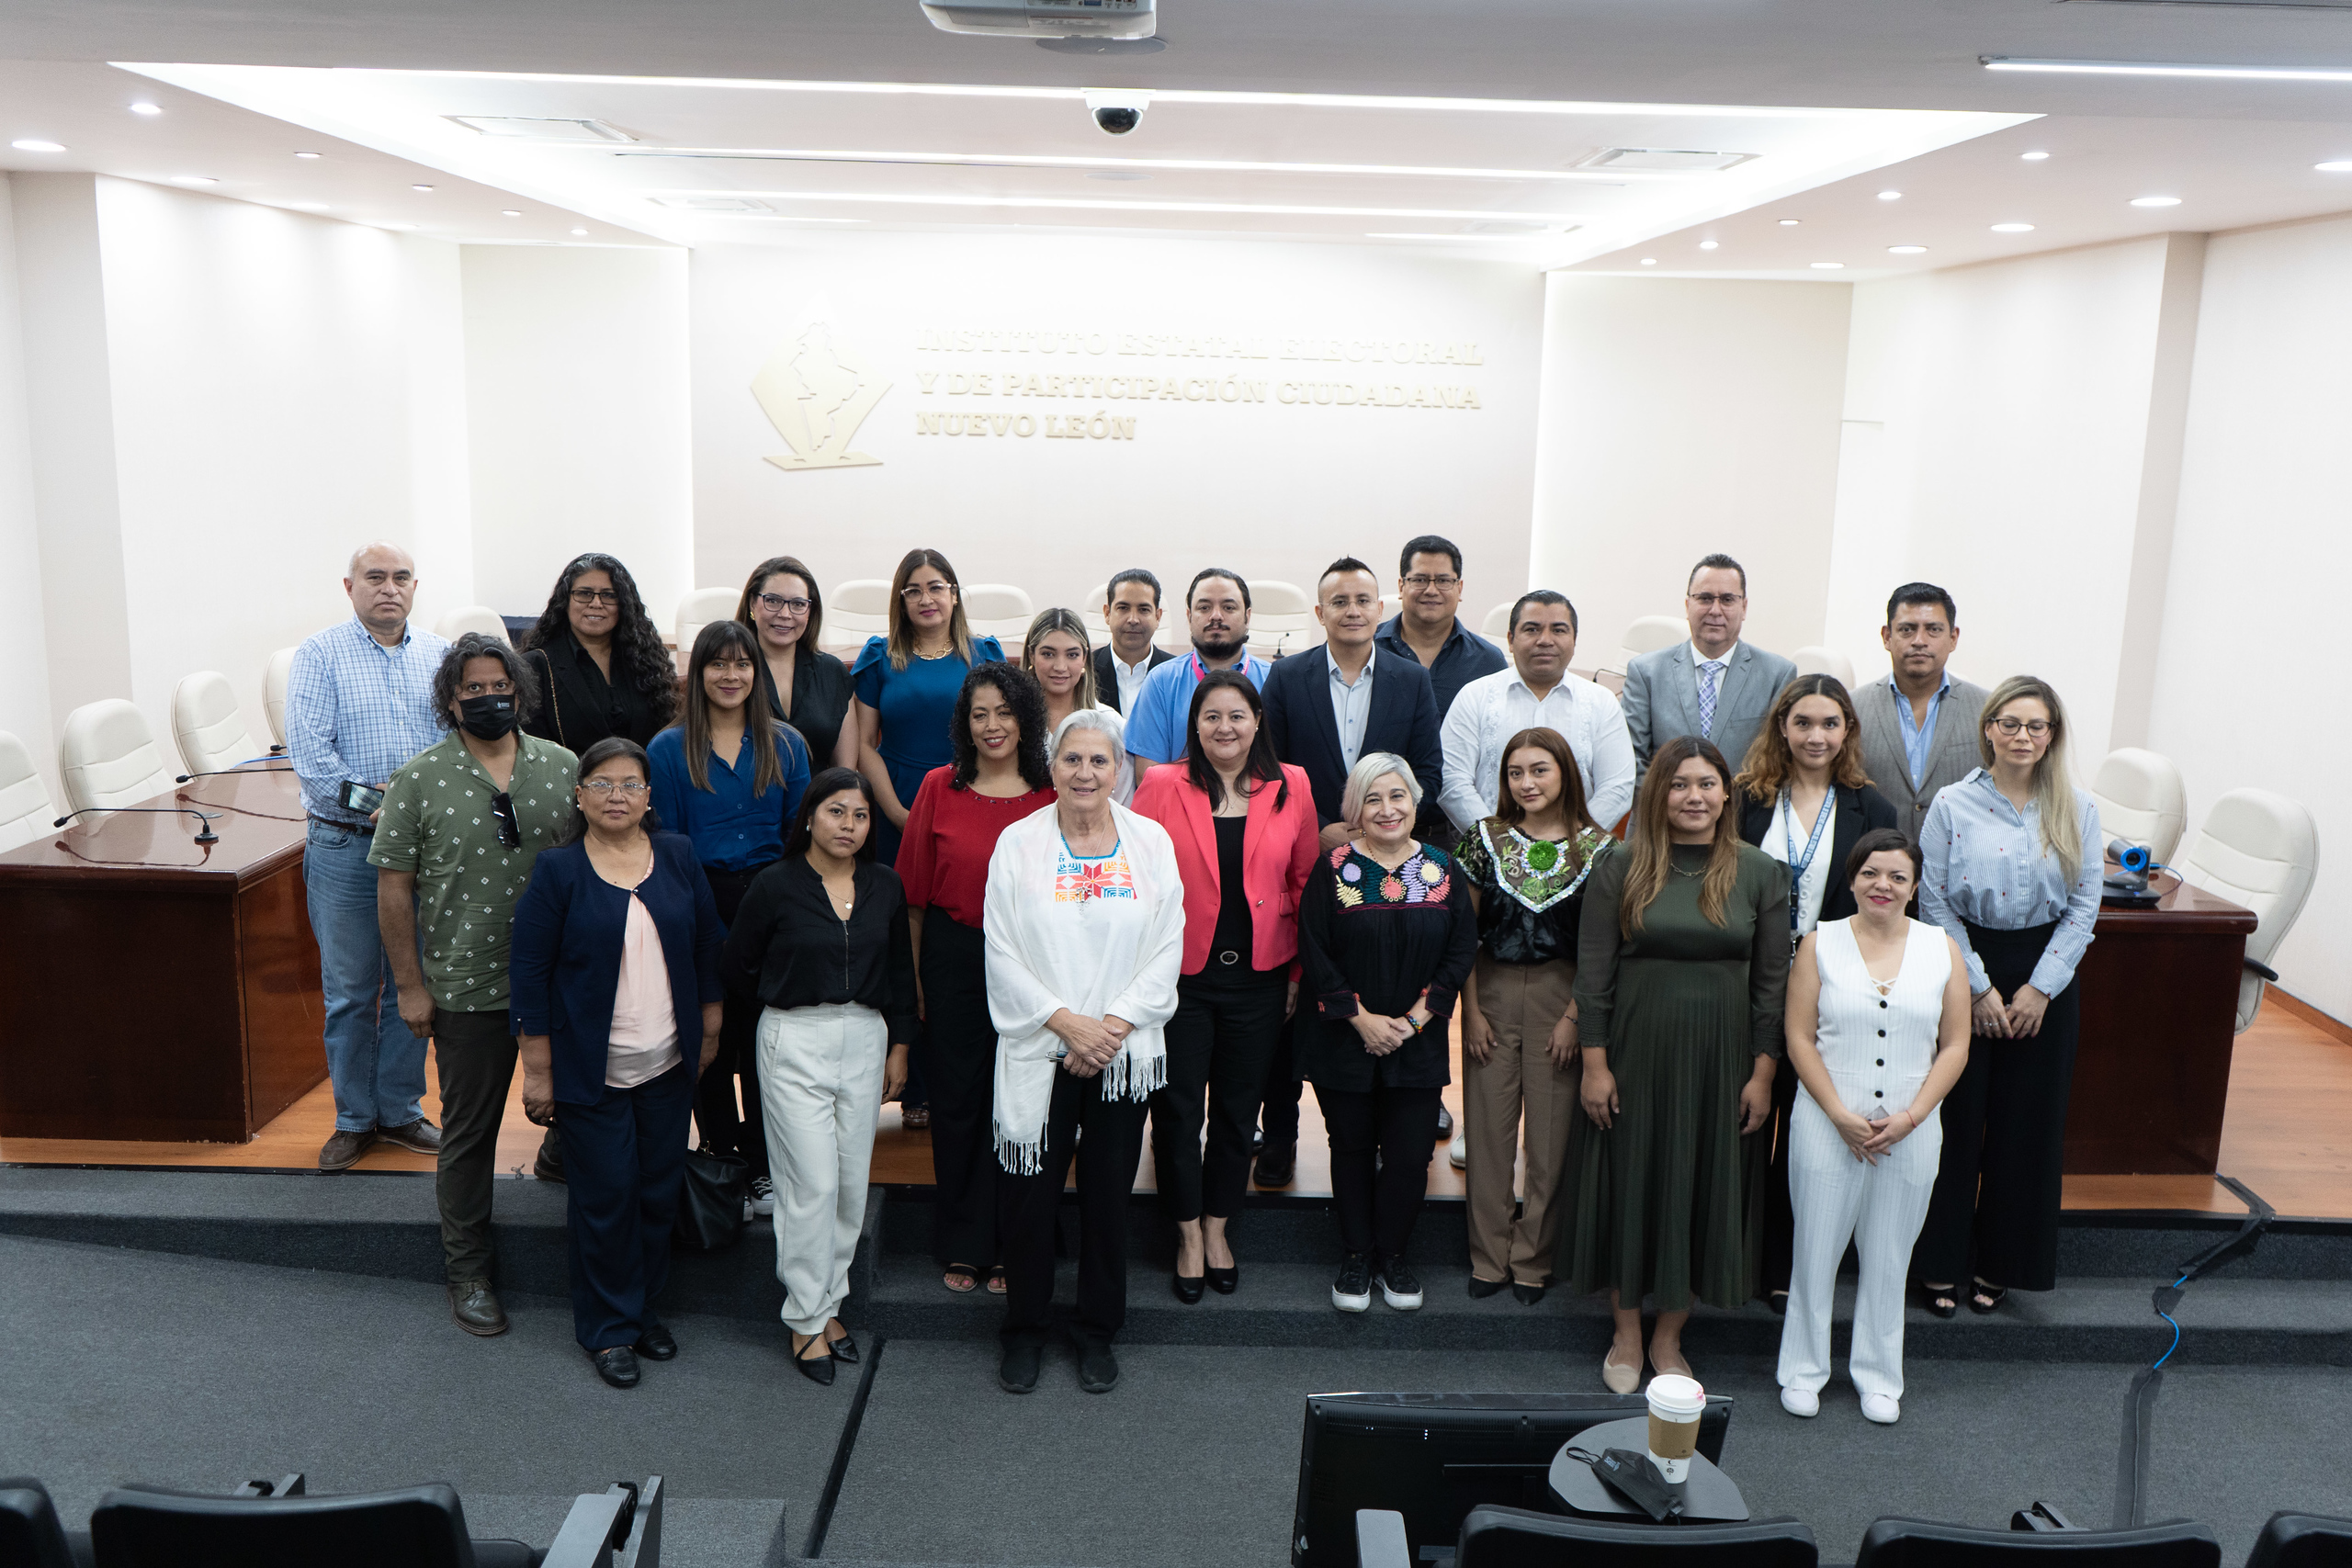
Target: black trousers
1380,1163
1780,1216
1994,1214
1028,1207
958,1051
1277,1116
628,1162
721,1124
1220,1043
473,1055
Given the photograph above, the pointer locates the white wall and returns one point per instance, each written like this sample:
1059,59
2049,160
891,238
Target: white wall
24,654
1678,419
578,413
2265,512
1272,489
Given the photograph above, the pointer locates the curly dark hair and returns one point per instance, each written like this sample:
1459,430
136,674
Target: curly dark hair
1028,702
481,645
639,661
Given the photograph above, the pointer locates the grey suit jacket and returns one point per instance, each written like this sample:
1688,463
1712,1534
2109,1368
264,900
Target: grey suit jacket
1952,750
1661,700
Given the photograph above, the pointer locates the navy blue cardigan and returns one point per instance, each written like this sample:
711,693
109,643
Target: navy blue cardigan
567,956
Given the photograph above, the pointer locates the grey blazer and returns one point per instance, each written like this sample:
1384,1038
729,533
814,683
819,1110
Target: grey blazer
1952,752
1661,700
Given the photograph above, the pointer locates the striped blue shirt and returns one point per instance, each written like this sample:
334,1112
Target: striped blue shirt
1986,866
356,709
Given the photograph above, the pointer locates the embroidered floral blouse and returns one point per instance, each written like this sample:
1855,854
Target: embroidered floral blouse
1376,940
1531,891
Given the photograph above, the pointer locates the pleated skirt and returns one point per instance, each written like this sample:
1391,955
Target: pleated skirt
1669,1203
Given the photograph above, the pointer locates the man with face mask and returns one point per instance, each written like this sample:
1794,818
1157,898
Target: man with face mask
462,823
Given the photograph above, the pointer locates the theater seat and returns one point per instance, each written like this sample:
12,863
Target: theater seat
273,693
2142,801
30,1533
25,810
698,609
1818,660
455,623
208,724
2295,1540
1496,627
1495,1537
2262,850
1001,610
1923,1543
107,757
419,1527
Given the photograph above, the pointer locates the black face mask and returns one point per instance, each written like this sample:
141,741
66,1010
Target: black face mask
487,717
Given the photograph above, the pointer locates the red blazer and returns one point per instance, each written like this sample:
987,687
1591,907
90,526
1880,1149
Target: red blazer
1278,850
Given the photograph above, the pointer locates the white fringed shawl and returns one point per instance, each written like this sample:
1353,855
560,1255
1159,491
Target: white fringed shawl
1096,956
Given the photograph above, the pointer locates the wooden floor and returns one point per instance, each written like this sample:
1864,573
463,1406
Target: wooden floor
2288,1136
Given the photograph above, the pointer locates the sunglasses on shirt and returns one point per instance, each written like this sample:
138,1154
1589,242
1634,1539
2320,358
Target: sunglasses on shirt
501,808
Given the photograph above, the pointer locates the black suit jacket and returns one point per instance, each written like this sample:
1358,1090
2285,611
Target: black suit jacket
1106,674
1858,811
1404,719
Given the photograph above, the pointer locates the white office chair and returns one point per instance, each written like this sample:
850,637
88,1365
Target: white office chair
2262,850
455,623
1496,627
273,693
209,726
1818,660
698,609
107,757
1098,630
1282,619
1391,606
856,609
1648,633
1001,610
25,810
2142,801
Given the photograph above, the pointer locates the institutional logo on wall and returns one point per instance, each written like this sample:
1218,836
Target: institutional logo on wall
817,389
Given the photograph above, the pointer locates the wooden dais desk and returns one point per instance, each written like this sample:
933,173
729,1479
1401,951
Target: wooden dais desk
153,988
2160,1002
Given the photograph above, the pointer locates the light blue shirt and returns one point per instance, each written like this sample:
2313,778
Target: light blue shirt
1986,866
1918,738
1156,721
356,709
1351,706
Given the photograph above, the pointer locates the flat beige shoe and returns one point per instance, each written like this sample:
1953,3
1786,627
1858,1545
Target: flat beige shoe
1620,1380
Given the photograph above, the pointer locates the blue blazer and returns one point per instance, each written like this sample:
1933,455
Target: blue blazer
1404,719
567,956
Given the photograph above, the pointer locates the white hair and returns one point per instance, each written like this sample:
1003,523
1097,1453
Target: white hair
1369,769
1103,721
364,551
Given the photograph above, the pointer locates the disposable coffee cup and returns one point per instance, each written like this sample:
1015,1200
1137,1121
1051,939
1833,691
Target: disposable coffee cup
1676,1403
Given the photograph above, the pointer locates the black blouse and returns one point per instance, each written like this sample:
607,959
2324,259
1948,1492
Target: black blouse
579,706
790,948
1528,912
822,694
1373,940
1234,932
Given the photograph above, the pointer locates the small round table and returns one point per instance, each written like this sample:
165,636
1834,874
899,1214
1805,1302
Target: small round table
1707,1495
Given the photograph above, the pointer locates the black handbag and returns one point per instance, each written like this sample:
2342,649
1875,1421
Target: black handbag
710,1208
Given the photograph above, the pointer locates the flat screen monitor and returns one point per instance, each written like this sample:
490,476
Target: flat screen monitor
1433,1456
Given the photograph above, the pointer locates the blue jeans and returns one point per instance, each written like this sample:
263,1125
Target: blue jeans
376,1065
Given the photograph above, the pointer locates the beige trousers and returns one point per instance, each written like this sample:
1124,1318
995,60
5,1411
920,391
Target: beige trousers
1521,1003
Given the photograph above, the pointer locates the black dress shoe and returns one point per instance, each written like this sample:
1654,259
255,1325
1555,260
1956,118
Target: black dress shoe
1188,1289
844,1348
1526,1295
1778,1301
1225,1281
617,1365
1098,1370
1444,1124
475,1306
657,1344
1481,1289
1274,1165
818,1369
1017,1373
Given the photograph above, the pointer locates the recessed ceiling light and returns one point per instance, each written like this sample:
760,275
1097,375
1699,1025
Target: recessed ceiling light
2013,228
2033,157
1906,250
2155,201
34,144
2152,68
143,106
1788,222
2334,166
194,180
1827,267
511,212
308,154
580,231
1649,261
1707,244
1890,196
421,187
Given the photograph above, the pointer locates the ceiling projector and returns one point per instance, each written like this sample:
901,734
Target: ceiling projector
1045,18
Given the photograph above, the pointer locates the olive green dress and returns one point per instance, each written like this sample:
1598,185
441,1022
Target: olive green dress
1669,1202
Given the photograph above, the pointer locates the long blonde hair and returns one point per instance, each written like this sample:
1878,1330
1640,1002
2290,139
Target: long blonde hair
1650,843
2053,779
1061,620
902,644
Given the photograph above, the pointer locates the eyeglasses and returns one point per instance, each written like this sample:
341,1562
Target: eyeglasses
595,596
1419,581
599,788
1709,600
914,590
777,605
510,832
2037,727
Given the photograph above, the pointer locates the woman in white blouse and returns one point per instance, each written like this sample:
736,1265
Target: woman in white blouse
1878,1033
2012,875
1084,922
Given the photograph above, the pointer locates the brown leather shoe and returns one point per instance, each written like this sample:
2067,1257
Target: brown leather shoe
419,1136
475,1306
343,1151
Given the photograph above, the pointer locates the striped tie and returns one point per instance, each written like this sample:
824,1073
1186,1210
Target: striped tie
1709,673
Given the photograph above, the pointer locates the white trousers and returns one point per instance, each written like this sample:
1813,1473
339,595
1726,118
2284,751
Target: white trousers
821,1087
1879,1208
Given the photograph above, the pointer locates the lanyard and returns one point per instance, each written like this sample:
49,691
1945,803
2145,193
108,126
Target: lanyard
1797,868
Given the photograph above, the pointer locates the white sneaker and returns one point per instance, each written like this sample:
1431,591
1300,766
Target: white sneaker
1457,1152
1803,1402
1882,1408
763,1197
1398,1286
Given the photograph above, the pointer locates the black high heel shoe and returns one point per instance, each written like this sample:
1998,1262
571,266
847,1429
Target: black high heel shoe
1943,1301
1188,1289
817,1369
1225,1281
844,1348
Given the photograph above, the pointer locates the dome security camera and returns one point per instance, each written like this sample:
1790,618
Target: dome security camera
1117,109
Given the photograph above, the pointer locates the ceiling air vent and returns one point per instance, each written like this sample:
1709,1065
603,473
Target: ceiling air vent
713,203
542,130
1664,160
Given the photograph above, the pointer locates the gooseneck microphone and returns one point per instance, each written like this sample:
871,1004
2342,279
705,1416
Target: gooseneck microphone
204,834
240,767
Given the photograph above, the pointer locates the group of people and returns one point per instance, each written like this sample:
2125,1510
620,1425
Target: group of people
1703,1040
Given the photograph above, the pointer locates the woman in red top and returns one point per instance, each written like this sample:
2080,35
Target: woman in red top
1245,834
998,777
